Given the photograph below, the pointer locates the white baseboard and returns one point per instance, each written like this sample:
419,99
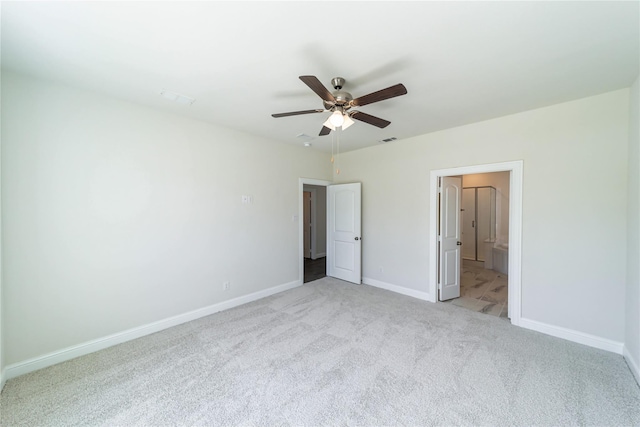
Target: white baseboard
320,255
397,289
69,353
556,331
632,363
575,336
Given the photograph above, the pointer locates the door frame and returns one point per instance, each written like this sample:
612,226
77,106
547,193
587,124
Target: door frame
301,183
515,229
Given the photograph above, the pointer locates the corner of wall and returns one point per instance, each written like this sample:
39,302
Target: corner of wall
3,379
2,370
632,364
632,291
398,289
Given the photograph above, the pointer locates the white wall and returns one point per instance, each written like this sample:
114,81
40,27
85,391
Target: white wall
2,364
115,215
574,206
632,333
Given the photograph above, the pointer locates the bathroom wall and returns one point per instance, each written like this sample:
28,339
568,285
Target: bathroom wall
500,181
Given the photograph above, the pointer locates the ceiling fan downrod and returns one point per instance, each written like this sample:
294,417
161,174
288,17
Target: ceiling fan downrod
337,82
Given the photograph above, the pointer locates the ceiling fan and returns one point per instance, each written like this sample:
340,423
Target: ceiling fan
340,104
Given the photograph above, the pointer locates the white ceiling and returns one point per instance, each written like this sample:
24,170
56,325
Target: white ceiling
461,62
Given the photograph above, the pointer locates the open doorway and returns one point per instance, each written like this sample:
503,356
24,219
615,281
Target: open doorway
314,226
484,217
311,248
343,230
446,266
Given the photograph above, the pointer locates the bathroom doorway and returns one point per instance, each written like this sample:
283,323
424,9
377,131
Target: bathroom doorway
484,280
484,288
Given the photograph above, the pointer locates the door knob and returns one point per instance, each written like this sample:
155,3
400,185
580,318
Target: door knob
358,238
459,243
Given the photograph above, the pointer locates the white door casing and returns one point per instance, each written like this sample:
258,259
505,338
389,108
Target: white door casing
450,254
344,240
516,169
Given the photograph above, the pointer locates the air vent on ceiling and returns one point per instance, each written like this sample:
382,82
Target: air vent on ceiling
384,141
180,99
304,137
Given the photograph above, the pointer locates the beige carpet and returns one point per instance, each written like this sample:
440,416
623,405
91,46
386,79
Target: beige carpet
332,353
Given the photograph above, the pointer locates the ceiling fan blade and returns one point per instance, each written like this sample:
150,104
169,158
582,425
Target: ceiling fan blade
324,131
315,85
380,95
368,118
297,113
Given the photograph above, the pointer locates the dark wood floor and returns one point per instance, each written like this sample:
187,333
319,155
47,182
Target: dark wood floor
314,269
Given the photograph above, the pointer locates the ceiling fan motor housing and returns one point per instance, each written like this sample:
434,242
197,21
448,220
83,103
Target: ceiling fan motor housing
342,98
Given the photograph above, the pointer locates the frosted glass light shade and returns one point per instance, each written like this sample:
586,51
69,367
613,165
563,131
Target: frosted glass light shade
347,122
337,119
329,124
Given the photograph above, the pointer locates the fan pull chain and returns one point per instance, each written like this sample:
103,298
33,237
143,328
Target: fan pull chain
333,137
338,154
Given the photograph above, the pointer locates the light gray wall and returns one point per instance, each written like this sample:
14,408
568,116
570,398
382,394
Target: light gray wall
116,215
574,236
632,333
2,364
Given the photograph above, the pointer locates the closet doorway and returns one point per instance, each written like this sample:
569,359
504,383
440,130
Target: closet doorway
314,227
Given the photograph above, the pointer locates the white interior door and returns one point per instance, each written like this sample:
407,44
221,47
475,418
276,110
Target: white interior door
306,228
344,240
450,255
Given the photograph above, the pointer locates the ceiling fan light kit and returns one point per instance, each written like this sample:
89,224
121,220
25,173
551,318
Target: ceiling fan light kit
328,124
340,103
337,118
347,122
